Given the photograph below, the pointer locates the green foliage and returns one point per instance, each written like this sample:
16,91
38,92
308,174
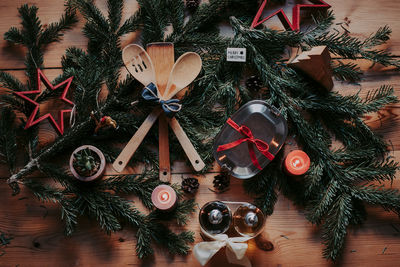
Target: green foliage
92,69
8,138
332,191
84,160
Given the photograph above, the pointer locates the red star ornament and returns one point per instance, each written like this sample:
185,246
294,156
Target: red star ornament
295,25
31,120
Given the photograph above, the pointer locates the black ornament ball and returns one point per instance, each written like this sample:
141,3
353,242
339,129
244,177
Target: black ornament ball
190,185
192,5
253,83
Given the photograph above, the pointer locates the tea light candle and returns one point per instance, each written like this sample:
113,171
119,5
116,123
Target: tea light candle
164,197
297,163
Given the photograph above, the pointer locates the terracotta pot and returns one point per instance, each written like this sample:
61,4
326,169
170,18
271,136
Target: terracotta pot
98,174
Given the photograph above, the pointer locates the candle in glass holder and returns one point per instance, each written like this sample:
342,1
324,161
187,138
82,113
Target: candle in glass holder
164,197
297,163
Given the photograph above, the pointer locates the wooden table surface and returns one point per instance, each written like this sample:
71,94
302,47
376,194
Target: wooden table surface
37,231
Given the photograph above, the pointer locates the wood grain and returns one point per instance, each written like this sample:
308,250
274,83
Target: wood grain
162,55
38,233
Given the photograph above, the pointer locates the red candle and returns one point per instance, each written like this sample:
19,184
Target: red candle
297,163
164,197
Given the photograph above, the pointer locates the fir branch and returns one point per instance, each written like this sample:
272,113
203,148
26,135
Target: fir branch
352,106
132,24
334,228
54,31
8,138
346,71
45,193
140,185
114,13
312,179
102,206
377,99
143,245
176,243
180,213
387,198
15,36
319,207
91,13
264,187
31,26
154,22
381,36
177,15
367,171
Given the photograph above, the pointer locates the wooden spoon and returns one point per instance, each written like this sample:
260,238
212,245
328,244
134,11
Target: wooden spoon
185,70
139,64
183,81
183,73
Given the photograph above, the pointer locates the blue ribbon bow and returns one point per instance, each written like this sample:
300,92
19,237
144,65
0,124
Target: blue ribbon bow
170,107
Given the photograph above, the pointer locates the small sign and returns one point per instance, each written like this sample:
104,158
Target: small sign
235,54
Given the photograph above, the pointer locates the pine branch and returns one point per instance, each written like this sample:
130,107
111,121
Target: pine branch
8,138
180,213
54,31
132,24
346,71
370,171
387,198
45,193
114,14
264,187
140,185
176,243
334,228
154,21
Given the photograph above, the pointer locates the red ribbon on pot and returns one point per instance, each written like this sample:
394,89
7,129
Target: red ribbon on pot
262,146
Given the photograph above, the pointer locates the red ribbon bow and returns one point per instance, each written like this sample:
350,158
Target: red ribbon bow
261,145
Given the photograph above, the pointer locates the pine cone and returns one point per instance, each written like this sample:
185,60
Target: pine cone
190,185
253,83
192,5
222,181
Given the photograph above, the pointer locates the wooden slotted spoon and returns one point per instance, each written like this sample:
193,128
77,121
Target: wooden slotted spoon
139,64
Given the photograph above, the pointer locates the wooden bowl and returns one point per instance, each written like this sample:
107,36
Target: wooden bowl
98,174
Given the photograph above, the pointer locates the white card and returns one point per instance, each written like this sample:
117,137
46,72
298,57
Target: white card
235,54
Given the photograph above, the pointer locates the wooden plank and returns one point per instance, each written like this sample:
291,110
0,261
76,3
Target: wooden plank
296,241
357,13
12,57
37,234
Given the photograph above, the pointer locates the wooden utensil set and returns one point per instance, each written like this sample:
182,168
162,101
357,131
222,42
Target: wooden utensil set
157,66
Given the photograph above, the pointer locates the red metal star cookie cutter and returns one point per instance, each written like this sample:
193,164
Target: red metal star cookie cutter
295,25
31,120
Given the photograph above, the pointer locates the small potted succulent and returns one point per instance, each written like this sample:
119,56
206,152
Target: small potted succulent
87,163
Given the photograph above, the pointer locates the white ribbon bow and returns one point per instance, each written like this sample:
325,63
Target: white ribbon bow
235,249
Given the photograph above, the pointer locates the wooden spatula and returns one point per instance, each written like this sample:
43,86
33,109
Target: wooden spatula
162,56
